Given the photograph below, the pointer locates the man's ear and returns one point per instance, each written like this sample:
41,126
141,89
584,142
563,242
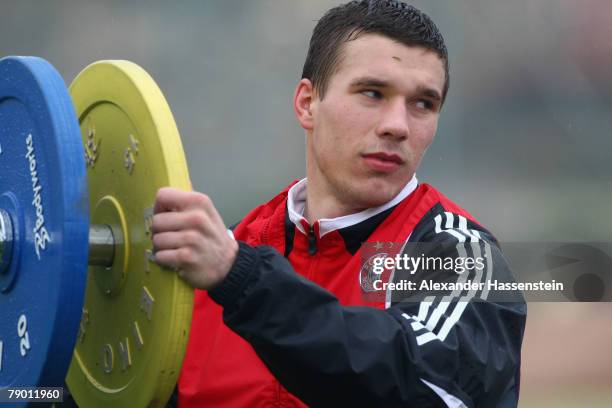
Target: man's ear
303,100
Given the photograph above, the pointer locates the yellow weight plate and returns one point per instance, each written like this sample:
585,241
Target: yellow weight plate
136,318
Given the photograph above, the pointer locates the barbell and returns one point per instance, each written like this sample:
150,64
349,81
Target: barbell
81,298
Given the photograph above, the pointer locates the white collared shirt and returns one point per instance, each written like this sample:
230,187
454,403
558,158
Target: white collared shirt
296,203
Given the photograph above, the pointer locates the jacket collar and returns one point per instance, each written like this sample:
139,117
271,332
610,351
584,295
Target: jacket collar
296,202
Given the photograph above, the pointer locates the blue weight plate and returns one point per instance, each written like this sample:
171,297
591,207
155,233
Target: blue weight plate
43,189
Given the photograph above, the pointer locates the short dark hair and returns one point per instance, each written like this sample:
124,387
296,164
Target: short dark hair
393,19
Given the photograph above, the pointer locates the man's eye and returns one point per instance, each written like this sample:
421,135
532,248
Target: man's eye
372,94
425,104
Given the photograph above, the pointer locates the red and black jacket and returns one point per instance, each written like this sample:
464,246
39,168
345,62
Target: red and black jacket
290,326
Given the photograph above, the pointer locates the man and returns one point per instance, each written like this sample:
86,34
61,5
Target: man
280,315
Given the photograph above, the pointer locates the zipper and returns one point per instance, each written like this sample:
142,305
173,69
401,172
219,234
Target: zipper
312,241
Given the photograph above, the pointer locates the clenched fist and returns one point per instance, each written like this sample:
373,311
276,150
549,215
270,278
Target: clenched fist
190,237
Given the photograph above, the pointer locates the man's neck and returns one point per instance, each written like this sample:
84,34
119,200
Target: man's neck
330,214
322,205
325,207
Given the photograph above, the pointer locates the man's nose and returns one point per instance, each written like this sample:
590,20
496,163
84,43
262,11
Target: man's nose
395,121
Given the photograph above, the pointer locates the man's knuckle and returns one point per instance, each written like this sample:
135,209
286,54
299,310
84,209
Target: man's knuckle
205,200
197,219
192,237
186,256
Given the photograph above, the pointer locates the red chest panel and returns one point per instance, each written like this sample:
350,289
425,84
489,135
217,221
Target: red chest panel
221,368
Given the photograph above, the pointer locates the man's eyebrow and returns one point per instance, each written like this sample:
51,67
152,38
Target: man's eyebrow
429,92
369,81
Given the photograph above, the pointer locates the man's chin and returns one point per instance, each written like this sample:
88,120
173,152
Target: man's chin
375,197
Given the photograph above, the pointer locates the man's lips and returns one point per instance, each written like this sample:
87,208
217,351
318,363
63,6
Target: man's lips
391,157
383,162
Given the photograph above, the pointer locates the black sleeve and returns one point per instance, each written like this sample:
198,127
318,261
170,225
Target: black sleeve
331,355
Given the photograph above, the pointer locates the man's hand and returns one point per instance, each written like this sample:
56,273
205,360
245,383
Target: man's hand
190,237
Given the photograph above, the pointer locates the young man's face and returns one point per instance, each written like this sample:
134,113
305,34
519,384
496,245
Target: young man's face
378,116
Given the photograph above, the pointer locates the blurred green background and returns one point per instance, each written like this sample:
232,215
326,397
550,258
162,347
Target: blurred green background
524,141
